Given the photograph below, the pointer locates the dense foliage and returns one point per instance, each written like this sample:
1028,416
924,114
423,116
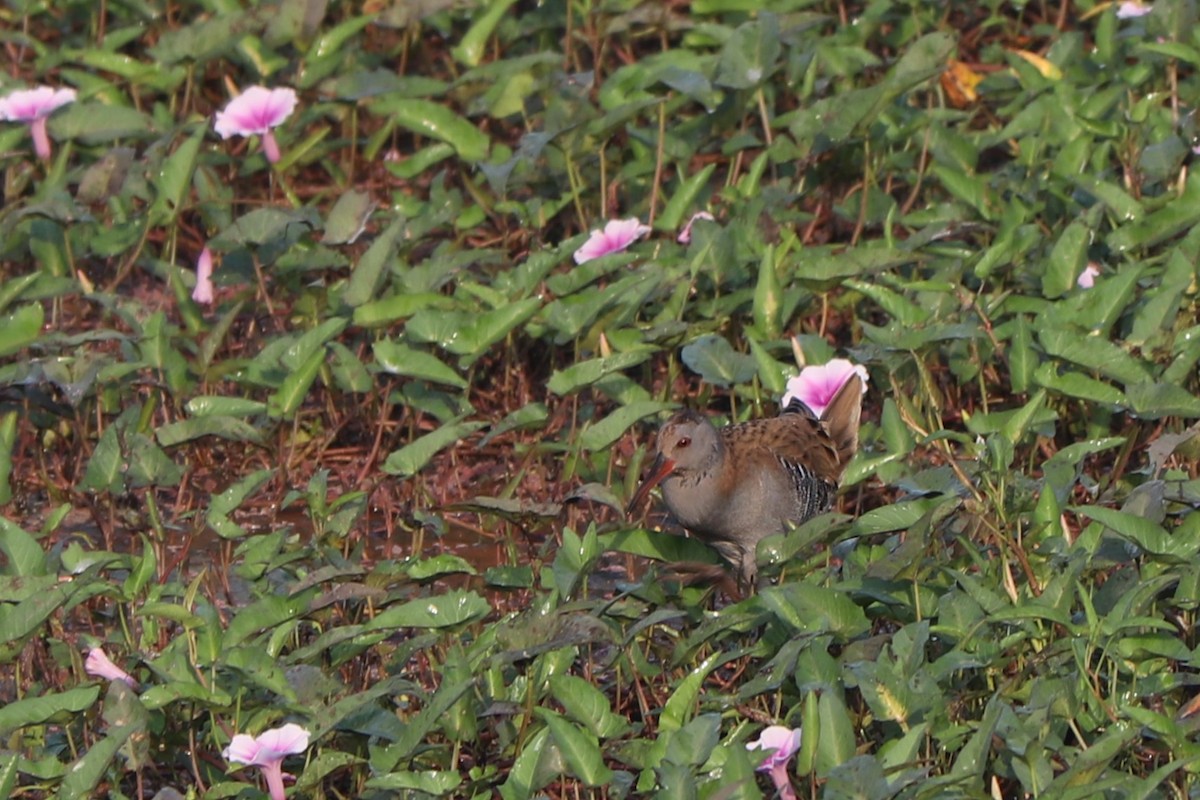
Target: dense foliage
374,488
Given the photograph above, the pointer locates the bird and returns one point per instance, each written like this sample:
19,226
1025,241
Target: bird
733,486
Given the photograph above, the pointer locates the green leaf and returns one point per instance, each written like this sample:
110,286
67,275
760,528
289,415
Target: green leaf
921,60
490,327
204,38
11,289
470,48
104,470
264,225
599,435
173,181
470,335
85,774
9,774
441,564
398,359
21,328
22,619
816,609
587,705
222,406
749,56
897,516
586,373
681,705
1123,205
39,710
8,437
1019,423
849,263
369,272
1096,354
283,403
1107,300
220,506
536,764
768,297
1180,214
971,760
229,428
1021,358
23,554
713,358
1078,385
443,611
348,219
443,783
684,199
389,309
1144,533
1157,400
579,748
96,123
410,459
262,615
836,744
667,547
437,121
1066,261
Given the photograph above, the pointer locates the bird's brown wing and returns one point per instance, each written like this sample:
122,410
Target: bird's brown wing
798,440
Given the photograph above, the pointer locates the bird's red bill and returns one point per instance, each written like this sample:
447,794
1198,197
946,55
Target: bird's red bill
661,469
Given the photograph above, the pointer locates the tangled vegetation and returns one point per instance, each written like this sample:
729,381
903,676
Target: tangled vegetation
371,481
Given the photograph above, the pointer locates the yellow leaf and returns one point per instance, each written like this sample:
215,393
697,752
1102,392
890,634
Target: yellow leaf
1042,65
959,82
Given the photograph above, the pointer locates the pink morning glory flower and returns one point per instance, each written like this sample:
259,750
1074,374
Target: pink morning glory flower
816,386
783,744
32,106
1131,9
267,751
685,235
256,111
1087,278
101,666
203,293
616,236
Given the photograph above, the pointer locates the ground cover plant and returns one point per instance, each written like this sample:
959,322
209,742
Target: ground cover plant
333,337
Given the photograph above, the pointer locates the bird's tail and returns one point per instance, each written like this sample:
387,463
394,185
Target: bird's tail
840,418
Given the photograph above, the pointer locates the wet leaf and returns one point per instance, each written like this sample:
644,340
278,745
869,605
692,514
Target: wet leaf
446,610
398,359
749,55
1156,400
436,121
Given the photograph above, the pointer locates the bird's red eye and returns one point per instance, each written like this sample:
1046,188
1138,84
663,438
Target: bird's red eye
683,442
